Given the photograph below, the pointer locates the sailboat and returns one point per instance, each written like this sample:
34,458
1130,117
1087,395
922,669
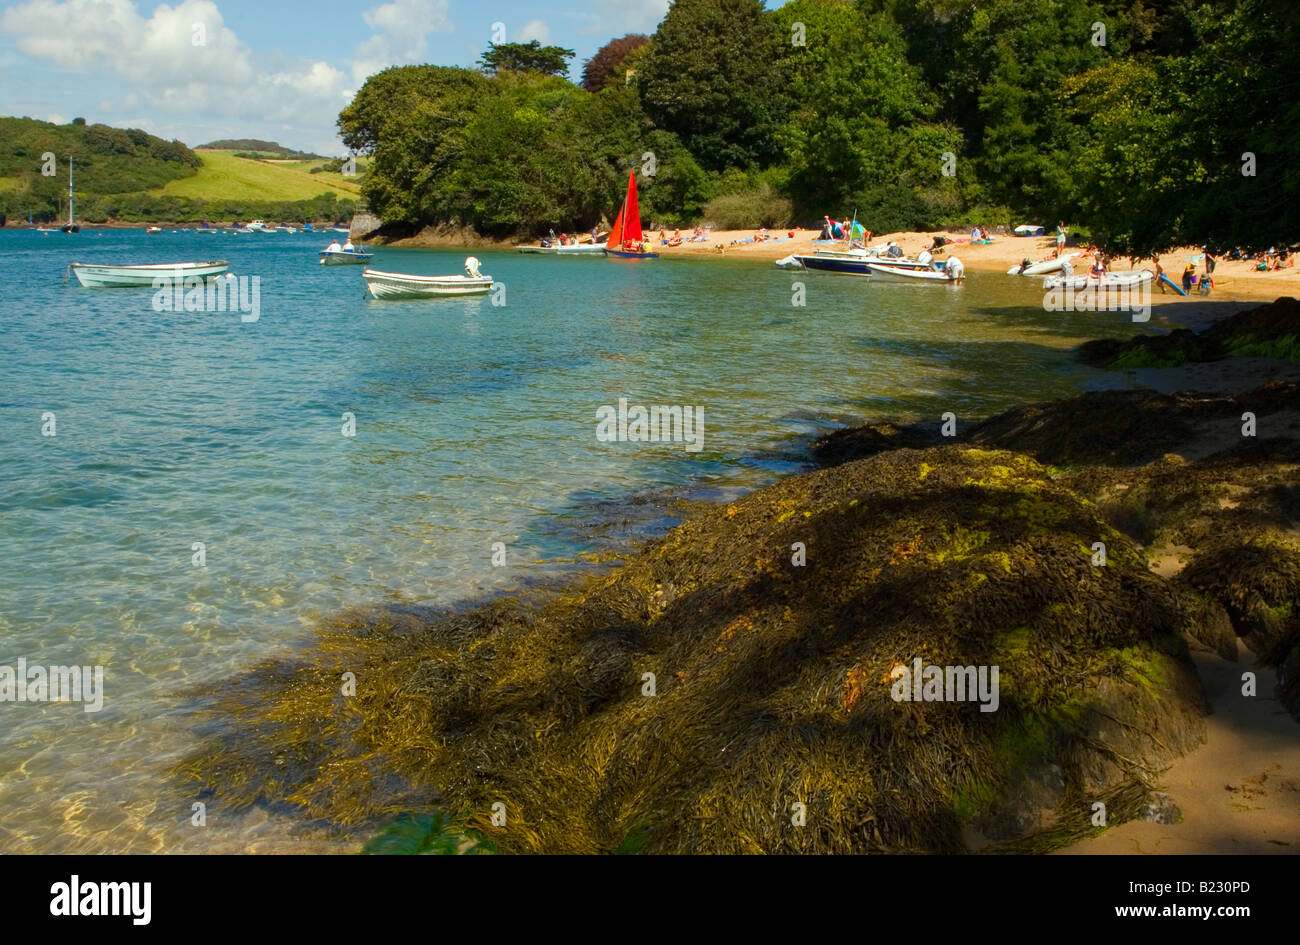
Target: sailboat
626,238
71,225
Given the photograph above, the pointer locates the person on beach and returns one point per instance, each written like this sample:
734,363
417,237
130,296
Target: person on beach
1160,271
1189,277
1060,237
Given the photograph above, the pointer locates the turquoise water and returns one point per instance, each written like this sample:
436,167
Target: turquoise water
475,424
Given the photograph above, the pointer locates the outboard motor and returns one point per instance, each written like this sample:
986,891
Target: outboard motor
471,268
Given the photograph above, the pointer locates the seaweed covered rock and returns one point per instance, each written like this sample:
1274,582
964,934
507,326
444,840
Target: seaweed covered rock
1271,330
773,675
869,439
1168,350
1113,427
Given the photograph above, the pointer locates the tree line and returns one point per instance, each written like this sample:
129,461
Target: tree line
1147,126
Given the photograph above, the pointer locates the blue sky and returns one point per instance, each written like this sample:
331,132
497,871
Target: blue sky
272,69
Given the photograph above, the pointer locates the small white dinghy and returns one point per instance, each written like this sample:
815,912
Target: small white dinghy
1041,268
1111,280
948,273
92,275
397,285
344,257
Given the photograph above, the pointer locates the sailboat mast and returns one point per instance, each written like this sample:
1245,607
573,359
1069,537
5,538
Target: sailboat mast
71,214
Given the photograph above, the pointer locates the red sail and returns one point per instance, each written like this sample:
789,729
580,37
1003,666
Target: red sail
616,234
632,222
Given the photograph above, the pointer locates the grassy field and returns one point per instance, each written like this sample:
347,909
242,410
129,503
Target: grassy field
226,177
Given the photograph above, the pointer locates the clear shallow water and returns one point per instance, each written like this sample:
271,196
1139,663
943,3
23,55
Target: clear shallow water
475,424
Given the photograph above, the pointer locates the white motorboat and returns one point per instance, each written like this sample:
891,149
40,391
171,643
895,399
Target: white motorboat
153,229
398,285
258,226
1111,280
1041,268
93,275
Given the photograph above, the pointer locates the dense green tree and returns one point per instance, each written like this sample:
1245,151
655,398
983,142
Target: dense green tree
531,56
859,135
711,78
1197,147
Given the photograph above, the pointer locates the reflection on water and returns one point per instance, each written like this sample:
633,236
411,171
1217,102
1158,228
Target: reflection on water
475,424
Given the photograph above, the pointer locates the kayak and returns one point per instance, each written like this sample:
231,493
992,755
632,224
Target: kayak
1173,285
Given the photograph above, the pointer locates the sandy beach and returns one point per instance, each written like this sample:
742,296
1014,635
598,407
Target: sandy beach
1233,280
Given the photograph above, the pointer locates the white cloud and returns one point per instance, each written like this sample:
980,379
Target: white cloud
401,35
534,30
183,60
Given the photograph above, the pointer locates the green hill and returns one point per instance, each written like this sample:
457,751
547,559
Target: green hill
257,146
224,176
106,161
128,175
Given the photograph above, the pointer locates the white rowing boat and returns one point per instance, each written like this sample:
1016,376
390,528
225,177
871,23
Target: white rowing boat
344,257
1041,268
93,275
924,275
398,285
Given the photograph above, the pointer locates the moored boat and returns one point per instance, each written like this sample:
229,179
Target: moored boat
841,263
399,285
626,241
1111,280
344,257
94,275
258,226
946,274
1041,268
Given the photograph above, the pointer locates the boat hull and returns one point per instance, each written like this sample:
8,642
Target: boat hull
120,277
344,259
919,275
840,264
619,254
397,285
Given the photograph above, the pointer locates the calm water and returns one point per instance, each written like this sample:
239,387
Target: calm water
474,424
